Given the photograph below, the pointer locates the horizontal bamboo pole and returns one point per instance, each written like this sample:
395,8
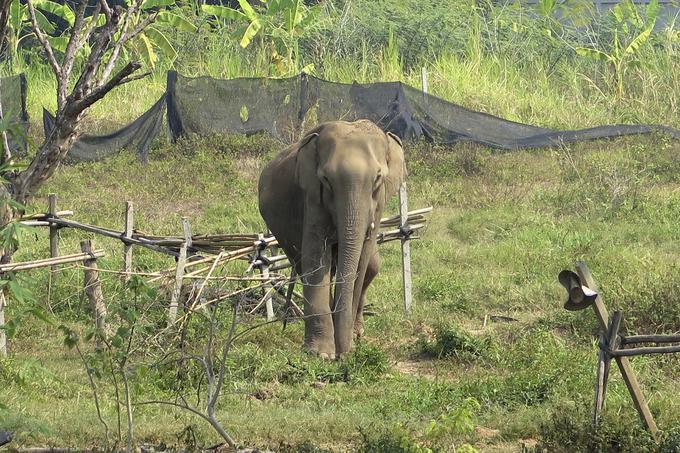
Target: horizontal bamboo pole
112,234
634,339
38,216
644,351
34,223
225,257
398,232
50,261
397,217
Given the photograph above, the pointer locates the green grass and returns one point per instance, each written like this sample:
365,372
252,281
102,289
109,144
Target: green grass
504,225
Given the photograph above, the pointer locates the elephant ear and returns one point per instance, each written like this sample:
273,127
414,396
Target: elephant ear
396,170
306,164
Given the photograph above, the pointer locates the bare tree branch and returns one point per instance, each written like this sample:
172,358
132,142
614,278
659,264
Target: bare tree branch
78,106
93,83
106,9
93,22
94,61
125,36
74,42
43,40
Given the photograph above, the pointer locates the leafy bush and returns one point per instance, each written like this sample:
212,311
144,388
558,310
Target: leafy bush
569,430
395,440
452,341
364,364
306,446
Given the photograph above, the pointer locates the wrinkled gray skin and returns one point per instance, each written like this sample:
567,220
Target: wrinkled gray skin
323,198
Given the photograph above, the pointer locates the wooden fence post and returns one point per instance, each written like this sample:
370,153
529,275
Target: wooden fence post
54,229
405,249
93,286
624,365
266,285
127,248
3,335
179,273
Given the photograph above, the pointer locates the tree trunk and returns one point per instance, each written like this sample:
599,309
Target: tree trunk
4,19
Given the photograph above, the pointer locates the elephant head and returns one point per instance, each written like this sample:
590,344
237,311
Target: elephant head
337,180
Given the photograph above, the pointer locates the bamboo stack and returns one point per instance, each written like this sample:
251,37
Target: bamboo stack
202,243
222,247
216,243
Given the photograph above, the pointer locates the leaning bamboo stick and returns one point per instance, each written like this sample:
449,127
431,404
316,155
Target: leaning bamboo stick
50,261
112,234
633,339
38,215
645,351
227,256
411,213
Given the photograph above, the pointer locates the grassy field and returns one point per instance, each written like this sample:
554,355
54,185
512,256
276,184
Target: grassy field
488,359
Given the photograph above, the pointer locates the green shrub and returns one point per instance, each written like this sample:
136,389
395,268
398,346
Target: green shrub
364,364
306,446
453,341
569,430
395,440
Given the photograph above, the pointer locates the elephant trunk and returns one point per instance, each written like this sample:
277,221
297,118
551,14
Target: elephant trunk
353,223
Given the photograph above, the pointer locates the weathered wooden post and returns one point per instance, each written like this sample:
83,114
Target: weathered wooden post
179,273
582,290
3,335
405,248
403,212
93,286
263,266
127,248
54,229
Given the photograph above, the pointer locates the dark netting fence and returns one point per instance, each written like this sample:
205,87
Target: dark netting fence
285,108
15,117
137,135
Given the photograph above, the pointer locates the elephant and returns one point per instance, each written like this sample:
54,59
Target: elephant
322,198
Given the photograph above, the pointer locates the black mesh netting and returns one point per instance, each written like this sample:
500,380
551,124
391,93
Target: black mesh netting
137,135
204,105
285,108
15,117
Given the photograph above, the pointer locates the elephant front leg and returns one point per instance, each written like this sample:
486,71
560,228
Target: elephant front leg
371,273
316,261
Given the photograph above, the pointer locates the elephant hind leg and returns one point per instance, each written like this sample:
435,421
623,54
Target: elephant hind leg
371,272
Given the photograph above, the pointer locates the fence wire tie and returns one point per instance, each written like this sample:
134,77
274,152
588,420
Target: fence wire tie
405,231
56,226
607,348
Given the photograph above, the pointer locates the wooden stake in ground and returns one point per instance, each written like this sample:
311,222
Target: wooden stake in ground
267,286
179,273
127,248
3,335
93,286
405,249
54,229
624,365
